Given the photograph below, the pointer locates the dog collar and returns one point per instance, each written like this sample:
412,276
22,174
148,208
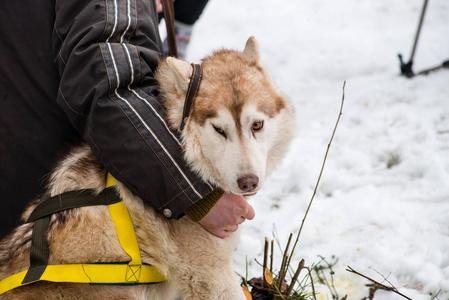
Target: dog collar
192,91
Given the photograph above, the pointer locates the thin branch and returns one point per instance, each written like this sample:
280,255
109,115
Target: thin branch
271,257
384,287
265,261
284,266
436,296
276,237
385,278
330,285
321,173
295,277
311,281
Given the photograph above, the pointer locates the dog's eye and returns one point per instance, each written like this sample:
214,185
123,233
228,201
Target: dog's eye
257,126
219,130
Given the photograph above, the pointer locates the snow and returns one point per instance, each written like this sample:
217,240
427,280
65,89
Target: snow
383,203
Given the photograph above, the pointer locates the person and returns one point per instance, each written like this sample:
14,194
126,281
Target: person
83,70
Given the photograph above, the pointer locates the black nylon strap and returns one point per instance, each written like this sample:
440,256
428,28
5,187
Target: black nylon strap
39,250
73,199
194,85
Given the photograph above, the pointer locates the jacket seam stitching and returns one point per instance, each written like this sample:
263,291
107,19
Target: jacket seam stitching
68,105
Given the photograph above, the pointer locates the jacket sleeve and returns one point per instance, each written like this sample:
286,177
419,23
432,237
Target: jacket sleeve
106,52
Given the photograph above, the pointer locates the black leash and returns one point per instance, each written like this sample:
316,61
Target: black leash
197,73
169,16
192,91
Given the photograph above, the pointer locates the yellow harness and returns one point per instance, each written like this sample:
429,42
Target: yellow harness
134,272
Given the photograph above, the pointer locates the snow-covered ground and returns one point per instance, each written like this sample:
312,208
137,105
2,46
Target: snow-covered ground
383,203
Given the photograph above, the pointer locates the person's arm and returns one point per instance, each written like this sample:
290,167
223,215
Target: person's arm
106,53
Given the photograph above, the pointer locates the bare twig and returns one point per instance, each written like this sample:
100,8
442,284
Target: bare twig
295,277
282,270
311,281
380,285
265,261
385,278
271,257
321,173
284,265
276,237
436,295
322,276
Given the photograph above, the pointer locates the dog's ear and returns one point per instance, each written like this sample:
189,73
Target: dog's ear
181,71
252,49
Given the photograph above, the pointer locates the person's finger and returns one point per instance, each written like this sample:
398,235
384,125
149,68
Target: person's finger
250,213
221,234
232,228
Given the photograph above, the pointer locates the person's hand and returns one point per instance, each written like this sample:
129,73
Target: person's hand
159,6
227,214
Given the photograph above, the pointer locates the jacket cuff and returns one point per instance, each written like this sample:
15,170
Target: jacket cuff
201,208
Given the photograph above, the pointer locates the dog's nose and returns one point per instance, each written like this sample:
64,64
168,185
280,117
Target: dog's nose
248,183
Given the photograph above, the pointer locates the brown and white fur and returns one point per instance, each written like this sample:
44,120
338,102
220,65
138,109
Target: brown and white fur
238,131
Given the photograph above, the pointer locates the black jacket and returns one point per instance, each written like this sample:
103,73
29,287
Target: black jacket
72,69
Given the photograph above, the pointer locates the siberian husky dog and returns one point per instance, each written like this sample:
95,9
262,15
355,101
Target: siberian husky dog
238,131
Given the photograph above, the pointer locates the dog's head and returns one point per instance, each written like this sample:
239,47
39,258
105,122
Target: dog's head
239,124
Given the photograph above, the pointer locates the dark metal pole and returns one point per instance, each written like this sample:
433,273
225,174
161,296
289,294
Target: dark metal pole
419,29
406,68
